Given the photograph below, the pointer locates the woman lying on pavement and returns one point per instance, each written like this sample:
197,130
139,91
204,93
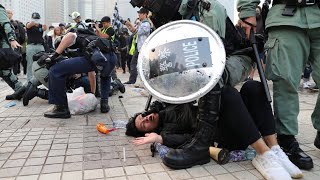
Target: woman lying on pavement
245,118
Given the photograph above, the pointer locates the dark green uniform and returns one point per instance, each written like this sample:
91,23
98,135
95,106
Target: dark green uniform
6,74
293,41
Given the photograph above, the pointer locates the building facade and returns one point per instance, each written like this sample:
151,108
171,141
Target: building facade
23,9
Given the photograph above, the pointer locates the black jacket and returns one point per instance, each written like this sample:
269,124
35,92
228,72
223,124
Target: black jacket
177,124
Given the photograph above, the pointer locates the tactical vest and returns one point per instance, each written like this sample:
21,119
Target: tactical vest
113,37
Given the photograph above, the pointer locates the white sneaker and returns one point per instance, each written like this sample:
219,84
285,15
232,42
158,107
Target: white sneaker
306,85
267,164
283,159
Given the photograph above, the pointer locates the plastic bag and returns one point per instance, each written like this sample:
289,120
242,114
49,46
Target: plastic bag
80,103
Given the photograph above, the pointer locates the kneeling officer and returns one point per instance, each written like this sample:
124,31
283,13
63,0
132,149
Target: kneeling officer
97,53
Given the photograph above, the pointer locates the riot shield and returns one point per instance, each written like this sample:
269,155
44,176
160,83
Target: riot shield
181,61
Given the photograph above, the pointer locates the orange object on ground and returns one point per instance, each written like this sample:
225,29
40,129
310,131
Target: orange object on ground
103,128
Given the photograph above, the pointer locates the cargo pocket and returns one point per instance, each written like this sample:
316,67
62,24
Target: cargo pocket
273,67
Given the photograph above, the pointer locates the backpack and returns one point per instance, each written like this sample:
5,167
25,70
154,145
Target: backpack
19,31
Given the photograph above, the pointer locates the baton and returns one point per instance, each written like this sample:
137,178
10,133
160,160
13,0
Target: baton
148,103
263,79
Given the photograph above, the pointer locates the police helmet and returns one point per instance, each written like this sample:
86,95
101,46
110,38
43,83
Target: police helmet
35,15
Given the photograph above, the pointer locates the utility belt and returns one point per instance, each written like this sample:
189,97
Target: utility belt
292,5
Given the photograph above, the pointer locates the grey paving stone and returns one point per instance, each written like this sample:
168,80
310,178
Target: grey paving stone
198,172
75,145
118,178
49,132
78,166
131,162
52,176
9,172
225,177
29,170
60,141
205,178
179,174
19,134
72,175
52,168
132,170
91,157
91,150
10,144
44,142
42,147
93,174
28,143
38,154
16,138
35,161
55,160
215,169
74,151
232,167
74,158
152,168
92,165
31,177
1,163
28,138
3,135
138,177
114,172
46,136
61,136
59,146
14,163
111,155
75,140
19,155
149,160
159,176
57,152
111,163
244,175
4,156
34,133
24,148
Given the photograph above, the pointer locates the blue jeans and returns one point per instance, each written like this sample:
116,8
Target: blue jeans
60,71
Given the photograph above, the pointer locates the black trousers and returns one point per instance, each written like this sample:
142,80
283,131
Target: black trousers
244,116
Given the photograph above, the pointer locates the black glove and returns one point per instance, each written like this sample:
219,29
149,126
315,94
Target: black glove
155,107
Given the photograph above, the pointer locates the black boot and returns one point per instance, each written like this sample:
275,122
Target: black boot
17,95
104,107
317,140
297,156
59,111
32,91
43,94
120,86
197,151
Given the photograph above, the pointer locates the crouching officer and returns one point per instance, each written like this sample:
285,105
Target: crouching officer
98,54
8,56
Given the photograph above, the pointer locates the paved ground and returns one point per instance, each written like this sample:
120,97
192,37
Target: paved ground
34,147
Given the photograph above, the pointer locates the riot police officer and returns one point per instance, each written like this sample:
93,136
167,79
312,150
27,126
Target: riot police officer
102,58
293,39
8,39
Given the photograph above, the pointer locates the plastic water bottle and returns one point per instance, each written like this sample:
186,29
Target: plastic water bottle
162,150
242,155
